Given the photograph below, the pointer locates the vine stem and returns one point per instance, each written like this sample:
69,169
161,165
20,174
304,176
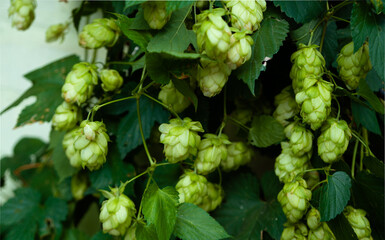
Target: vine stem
162,104
363,143
354,158
339,108
239,123
136,177
141,132
319,183
94,56
97,107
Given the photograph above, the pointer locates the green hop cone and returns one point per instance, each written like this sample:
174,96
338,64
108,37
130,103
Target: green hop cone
213,34
312,178
111,80
296,231
286,105
22,13
323,232
315,100
212,150
131,232
117,212
313,219
54,32
170,96
301,139
202,4
240,50
307,62
155,14
353,66
294,199
359,222
334,140
192,188
180,139
246,14
213,198
92,144
79,184
102,32
69,148
238,154
66,116
79,83
288,166
212,77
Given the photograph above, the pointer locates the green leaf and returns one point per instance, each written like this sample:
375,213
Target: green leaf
184,88
145,232
160,208
267,41
373,80
265,131
341,228
133,3
22,231
375,166
366,25
52,215
194,223
47,83
271,185
365,92
75,234
330,47
303,11
167,175
174,5
335,194
101,236
302,34
365,117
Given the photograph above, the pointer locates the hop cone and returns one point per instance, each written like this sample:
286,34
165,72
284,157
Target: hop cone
192,188
246,14
79,83
287,107
66,116
213,34
155,14
307,62
334,140
301,139
169,95
102,32
240,50
315,100
79,184
117,212
22,13
180,139
238,154
213,198
92,144
313,219
131,232
111,80
323,232
359,222
294,199
69,148
296,231
353,66
212,76
212,150
54,32
312,178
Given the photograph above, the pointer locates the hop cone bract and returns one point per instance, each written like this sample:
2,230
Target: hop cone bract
287,107
22,13
213,198
359,222
111,80
238,154
155,14
102,32
246,14
54,32
169,95
296,231
192,188
323,232
212,76
301,139
66,116
240,50
69,148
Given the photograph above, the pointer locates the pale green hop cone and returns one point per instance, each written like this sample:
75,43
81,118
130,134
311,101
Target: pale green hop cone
170,96
238,154
111,80
192,188
69,148
359,222
240,50
246,14
286,106
155,14
22,13
213,197
55,32
313,218
212,77
296,231
66,116
102,32
301,139
323,232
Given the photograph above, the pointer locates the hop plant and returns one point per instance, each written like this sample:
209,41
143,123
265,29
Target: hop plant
111,80
69,148
212,150
238,154
286,105
313,219
180,139
294,199
155,14
213,198
308,62
79,83
117,212
212,76
315,101
323,232
170,96
359,222
246,14
92,143
131,232
55,32
296,231
334,140
22,13
312,178
79,184
102,32
66,116
240,50
301,139
192,188
353,66
213,34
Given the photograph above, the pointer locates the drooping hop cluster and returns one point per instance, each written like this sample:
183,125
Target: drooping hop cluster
155,14
66,116
318,230
301,139
69,148
212,77
238,154
180,139
79,83
22,13
286,105
296,231
294,199
212,150
102,32
359,222
117,212
111,80
353,66
55,32
192,188
170,96
213,198
240,49
246,14
334,140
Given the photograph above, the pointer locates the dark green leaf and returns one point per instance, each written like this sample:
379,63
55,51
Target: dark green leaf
75,234
302,12
184,88
52,215
330,47
341,228
23,231
145,232
47,83
335,194
265,131
302,34
133,3
365,117
194,223
167,175
374,81
174,5
101,236
271,185
267,41
375,166
365,92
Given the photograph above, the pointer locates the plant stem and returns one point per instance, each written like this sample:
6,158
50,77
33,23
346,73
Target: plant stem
137,176
141,132
340,19
354,158
356,135
220,176
323,35
239,123
162,104
94,56
339,108
97,107
321,182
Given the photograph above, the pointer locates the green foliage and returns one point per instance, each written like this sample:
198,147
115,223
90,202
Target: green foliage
365,92
341,228
265,131
146,232
366,117
302,12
